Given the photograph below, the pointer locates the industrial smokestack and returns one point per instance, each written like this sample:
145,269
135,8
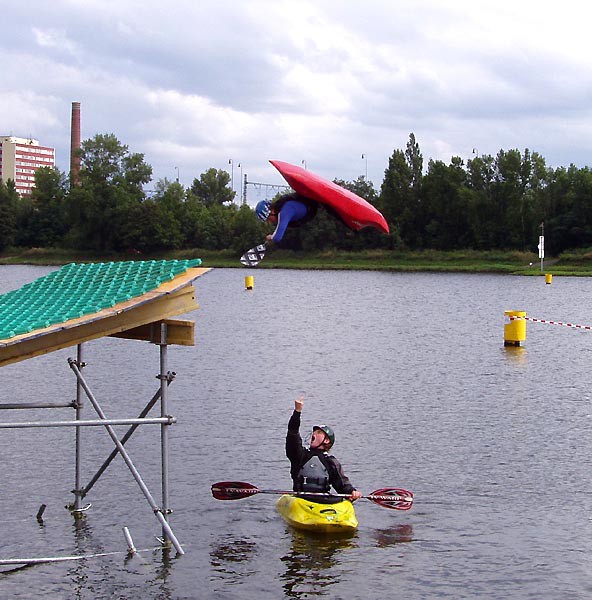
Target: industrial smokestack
75,144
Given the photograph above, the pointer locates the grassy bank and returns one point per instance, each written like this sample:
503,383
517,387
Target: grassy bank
578,263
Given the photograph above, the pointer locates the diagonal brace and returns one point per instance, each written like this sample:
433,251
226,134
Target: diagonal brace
84,491
128,461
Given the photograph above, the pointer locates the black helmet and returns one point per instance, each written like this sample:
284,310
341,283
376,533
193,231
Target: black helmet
328,431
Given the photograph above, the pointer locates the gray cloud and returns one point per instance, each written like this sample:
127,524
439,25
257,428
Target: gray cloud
192,85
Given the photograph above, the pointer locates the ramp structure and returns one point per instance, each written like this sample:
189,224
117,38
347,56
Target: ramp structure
134,300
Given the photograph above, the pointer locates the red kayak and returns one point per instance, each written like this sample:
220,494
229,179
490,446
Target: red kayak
355,211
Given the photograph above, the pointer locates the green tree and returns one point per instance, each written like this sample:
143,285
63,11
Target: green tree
535,180
446,208
324,232
218,227
247,230
104,159
167,214
401,195
519,182
361,187
48,224
194,221
569,222
212,187
397,199
415,161
102,208
8,213
479,198
507,193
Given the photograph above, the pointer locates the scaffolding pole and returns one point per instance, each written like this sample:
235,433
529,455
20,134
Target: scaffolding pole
168,532
78,440
164,429
21,405
89,423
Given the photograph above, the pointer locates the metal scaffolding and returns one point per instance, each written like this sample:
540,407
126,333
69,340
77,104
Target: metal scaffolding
145,317
165,420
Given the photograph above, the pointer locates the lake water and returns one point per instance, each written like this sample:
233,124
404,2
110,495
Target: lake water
411,372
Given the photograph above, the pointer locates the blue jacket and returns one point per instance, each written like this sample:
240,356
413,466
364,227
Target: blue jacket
290,212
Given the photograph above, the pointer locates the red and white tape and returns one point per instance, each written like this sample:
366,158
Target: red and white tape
586,327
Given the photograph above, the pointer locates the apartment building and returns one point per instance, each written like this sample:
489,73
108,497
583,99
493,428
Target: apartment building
20,158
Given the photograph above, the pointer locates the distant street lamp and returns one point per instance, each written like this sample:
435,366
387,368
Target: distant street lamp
177,174
231,163
240,165
365,158
476,152
304,163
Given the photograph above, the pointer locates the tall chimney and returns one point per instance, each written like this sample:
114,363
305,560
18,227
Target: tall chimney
75,144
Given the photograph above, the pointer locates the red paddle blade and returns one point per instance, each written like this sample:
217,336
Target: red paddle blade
233,490
395,498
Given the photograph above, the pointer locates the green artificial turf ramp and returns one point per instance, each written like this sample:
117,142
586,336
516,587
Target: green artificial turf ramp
81,289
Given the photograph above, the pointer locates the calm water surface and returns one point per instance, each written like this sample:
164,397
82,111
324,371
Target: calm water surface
411,372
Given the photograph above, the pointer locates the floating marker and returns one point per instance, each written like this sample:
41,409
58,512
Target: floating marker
249,282
514,328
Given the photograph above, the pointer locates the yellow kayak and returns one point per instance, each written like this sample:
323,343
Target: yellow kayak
312,516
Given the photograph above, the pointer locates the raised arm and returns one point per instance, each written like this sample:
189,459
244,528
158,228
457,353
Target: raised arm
293,439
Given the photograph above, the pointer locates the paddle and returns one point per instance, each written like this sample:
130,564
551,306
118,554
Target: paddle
395,498
252,257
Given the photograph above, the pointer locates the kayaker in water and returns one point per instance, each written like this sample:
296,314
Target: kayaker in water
290,210
313,469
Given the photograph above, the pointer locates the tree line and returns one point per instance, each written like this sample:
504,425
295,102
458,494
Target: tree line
483,203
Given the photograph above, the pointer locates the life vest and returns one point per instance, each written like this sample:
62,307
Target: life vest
313,476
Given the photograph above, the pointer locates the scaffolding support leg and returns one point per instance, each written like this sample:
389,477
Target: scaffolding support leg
128,461
78,473
164,429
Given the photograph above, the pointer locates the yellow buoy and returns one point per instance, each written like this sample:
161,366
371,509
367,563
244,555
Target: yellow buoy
249,282
548,278
514,328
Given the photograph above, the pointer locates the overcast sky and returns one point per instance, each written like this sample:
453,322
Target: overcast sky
193,84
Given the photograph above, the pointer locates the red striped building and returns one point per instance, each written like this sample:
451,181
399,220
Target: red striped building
20,158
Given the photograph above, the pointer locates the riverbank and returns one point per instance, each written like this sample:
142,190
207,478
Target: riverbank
576,263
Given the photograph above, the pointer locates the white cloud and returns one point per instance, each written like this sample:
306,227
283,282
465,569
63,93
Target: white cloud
29,110
53,38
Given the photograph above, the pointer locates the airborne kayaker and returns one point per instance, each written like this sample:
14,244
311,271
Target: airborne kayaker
289,210
313,469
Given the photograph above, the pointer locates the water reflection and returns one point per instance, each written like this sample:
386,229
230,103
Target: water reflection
309,566
163,574
227,556
391,536
516,354
84,543
154,573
